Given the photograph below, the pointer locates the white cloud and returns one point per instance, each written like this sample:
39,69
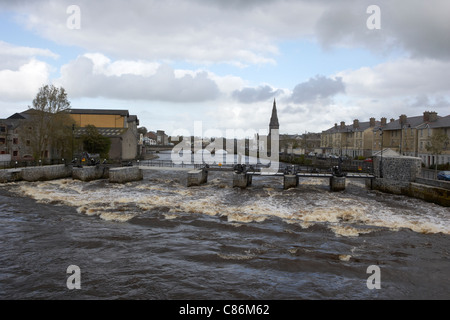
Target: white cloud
24,83
94,75
12,57
403,77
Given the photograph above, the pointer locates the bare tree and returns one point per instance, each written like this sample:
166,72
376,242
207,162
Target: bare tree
438,143
49,123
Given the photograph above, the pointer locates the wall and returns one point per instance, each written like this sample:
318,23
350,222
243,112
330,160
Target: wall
45,173
100,120
402,175
400,168
90,173
129,145
125,174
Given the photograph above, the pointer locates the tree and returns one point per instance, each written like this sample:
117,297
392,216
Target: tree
142,130
438,143
49,123
94,142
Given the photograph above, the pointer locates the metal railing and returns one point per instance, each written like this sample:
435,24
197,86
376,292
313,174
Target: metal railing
429,174
32,163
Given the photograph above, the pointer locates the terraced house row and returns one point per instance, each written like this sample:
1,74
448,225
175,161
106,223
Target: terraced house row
407,136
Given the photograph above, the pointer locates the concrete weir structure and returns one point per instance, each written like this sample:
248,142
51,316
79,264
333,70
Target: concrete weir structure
45,173
90,173
337,183
290,181
125,174
241,180
197,177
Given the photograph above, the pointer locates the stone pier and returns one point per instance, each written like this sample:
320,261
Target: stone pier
290,181
10,175
241,180
197,177
90,173
337,183
46,173
125,174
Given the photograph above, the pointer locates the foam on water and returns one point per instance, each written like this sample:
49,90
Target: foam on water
345,214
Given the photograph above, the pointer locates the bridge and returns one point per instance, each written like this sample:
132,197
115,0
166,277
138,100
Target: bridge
158,147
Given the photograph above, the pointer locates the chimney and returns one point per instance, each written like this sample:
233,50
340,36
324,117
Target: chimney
342,125
372,122
426,116
403,119
355,124
433,116
335,125
383,121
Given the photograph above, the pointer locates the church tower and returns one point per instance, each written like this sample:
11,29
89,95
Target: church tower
273,125
274,118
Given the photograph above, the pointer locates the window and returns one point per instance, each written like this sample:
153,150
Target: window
2,140
15,141
2,129
15,153
28,143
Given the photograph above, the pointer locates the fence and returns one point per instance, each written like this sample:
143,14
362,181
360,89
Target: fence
31,163
429,174
169,164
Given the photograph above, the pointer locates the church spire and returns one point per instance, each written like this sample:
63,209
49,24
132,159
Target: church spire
274,119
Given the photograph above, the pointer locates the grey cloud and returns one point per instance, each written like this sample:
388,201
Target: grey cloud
423,101
250,95
419,27
203,30
317,88
80,80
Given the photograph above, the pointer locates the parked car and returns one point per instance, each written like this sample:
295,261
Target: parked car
444,175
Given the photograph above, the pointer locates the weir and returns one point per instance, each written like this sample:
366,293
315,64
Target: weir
197,177
398,175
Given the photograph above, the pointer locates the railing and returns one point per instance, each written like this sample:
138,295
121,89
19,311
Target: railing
32,163
429,174
169,164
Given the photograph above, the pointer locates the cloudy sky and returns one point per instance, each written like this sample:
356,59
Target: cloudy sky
175,62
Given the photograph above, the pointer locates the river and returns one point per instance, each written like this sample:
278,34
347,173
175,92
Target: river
157,239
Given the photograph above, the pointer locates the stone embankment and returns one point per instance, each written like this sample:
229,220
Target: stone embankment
89,173
402,175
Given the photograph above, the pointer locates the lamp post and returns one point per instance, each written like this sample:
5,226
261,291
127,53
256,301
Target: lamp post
73,130
381,160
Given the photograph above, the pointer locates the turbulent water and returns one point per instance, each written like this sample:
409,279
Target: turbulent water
158,239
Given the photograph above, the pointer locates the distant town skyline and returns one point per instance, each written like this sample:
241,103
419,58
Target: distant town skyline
223,62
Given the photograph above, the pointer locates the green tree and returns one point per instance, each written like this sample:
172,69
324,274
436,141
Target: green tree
142,130
94,142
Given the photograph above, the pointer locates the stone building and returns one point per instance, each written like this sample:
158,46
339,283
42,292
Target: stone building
13,145
118,125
